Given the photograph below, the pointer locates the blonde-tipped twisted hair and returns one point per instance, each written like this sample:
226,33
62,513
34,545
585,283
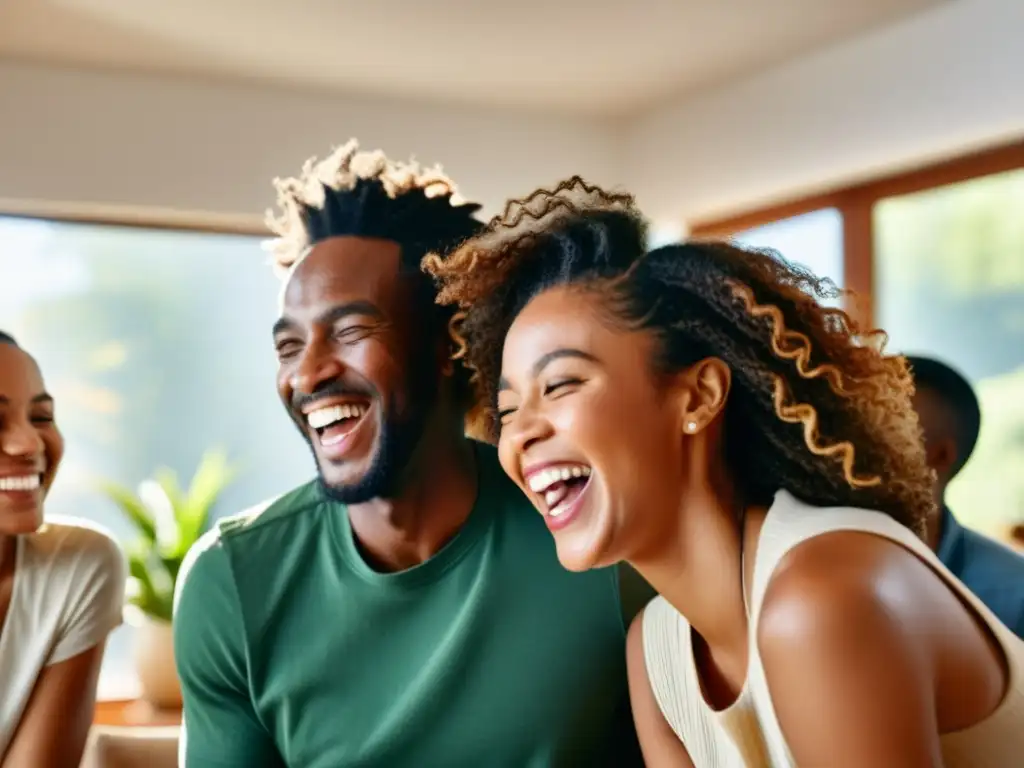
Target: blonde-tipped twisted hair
816,406
364,193
351,193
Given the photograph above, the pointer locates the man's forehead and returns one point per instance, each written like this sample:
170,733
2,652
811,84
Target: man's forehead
343,268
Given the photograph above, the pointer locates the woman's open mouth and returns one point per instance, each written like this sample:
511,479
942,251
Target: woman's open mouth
559,487
23,490
27,483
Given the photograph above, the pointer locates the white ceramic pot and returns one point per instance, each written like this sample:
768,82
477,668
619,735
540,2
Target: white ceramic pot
154,663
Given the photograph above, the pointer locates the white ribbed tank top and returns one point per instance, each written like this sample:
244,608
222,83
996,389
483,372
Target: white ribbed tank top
747,733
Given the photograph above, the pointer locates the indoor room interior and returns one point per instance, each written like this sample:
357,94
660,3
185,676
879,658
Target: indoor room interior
880,143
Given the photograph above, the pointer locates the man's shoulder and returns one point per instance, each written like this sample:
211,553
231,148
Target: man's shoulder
995,573
270,511
208,564
203,567
992,557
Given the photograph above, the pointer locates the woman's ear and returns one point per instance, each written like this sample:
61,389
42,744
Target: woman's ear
707,388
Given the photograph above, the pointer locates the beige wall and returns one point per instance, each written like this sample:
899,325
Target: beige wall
941,82
98,138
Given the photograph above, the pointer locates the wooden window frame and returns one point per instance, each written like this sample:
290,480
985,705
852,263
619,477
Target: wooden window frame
856,204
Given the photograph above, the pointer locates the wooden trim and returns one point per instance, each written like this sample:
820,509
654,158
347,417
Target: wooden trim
133,713
999,159
859,260
730,225
140,218
1008,157
856,205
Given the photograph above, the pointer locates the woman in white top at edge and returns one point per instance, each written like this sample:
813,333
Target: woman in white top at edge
695,410
62,585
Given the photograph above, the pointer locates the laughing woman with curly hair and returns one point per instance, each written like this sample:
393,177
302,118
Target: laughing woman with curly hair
696,411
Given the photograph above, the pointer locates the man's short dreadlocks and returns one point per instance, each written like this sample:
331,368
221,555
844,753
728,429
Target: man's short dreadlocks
364,194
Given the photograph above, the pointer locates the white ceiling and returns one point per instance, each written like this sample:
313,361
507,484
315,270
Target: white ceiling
602,57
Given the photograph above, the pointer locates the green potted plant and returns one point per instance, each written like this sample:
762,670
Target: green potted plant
168,520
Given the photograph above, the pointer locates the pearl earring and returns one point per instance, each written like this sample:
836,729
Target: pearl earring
691,426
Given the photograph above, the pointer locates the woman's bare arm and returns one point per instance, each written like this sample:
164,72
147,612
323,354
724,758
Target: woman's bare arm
851,671
659,743
59,713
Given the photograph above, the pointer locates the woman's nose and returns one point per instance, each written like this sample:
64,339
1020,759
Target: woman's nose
20,439
528,429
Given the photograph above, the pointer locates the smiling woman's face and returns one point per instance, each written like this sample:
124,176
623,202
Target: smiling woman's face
30,445
589,432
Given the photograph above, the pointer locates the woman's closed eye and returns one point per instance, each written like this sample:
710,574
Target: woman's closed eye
553,390
561,387
504,414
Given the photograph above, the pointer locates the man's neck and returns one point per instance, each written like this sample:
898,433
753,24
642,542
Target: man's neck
437,497
936,526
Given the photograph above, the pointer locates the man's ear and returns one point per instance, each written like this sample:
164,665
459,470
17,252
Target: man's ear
444,348
942,457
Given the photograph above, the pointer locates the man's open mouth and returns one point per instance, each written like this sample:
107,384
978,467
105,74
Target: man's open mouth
333,422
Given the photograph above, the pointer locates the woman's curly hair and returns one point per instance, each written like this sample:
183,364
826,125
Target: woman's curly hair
815,407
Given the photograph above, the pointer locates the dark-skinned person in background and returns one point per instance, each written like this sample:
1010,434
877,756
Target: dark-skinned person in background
950,416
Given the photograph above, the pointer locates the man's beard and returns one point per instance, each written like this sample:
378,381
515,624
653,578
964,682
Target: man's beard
398,437
397,441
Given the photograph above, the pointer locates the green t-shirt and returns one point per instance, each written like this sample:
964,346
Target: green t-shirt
292,651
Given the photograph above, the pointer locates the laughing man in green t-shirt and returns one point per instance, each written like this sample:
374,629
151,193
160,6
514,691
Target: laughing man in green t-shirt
407,607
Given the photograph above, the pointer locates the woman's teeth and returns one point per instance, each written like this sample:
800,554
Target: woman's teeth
540,482
555,485
552,499
22,483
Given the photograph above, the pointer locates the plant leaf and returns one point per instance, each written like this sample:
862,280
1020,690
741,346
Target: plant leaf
155,559
212,476
151,597
168,480
132,508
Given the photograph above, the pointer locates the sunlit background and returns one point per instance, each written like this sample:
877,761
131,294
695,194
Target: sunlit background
880,143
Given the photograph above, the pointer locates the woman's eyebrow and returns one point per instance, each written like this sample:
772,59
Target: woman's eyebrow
546,359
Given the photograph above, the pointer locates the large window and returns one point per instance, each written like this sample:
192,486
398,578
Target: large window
949,271
938,254
813,240
156,346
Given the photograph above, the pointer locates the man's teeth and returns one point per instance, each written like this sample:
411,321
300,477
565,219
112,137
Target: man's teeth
542,481
23,483
324,417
